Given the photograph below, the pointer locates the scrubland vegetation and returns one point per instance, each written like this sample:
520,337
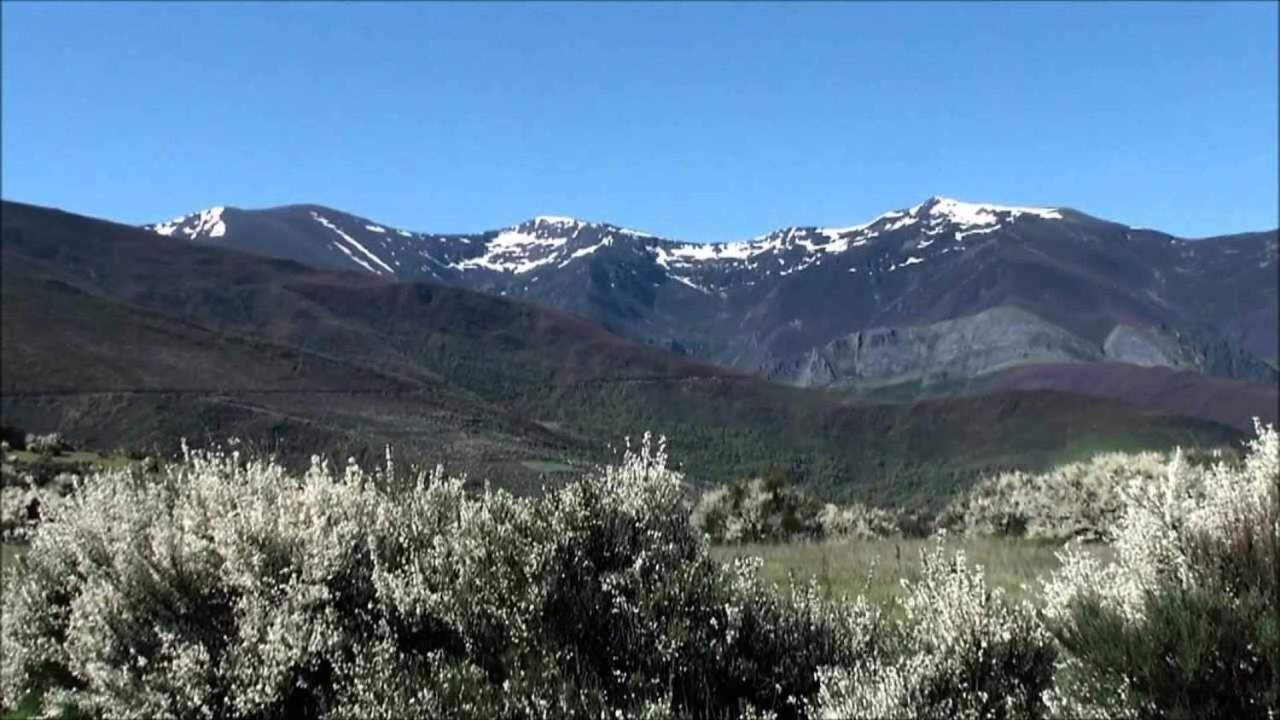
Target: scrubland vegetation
225,586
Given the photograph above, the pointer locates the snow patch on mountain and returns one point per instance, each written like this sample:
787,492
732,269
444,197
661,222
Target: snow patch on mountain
518,251
962,234
206,223
936,216
975,214
355,244
557,220
632,233
690,283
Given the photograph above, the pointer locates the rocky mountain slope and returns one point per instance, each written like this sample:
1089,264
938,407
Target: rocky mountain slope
114,335
941,290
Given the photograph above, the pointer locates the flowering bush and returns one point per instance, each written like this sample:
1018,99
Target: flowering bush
961,652
768,510
50,444
755,510
222,586
25,496
1081,499
856,521
1185,621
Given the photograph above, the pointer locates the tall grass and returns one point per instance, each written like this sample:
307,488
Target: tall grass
876,567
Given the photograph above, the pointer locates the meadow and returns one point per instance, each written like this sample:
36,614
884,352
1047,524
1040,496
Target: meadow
875,568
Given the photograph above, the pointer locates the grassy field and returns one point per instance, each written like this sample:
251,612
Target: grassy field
876,567
546,466
71,457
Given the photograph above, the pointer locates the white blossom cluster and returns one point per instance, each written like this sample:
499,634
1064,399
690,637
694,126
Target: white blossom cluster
1214,529
224,586
24,500
45,444
1075,500
1189,528
962,652
757,510
856,521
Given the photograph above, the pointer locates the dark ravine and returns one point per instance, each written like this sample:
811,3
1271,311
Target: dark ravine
117,336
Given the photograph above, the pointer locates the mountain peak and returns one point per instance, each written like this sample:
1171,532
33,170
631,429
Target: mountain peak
969,214
565,224
206,223
557,220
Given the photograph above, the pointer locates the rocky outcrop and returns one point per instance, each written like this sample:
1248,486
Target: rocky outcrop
993,339
1000,338
1202,352
1146,348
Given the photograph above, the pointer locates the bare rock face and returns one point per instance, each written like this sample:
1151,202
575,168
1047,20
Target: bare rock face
962,348
1146,348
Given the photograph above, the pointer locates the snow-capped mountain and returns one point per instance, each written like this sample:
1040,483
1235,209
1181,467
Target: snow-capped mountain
866,304
204,224
557,241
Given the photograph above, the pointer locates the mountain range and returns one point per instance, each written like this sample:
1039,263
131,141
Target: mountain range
942,298
118,335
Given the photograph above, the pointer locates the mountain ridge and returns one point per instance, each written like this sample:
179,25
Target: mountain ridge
759,303
950,207
492,384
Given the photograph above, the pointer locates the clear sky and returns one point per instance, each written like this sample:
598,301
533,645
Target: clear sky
710,121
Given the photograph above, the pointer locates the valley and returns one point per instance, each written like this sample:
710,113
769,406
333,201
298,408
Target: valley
119,336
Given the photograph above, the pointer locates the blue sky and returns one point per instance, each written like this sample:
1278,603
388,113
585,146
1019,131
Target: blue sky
698,121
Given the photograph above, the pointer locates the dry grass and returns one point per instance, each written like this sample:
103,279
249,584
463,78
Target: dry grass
876,567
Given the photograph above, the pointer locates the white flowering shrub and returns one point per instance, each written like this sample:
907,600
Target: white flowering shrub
856,521
25,498
48,444
221,586
761,509
962,651
768,510
1186,622
1075,500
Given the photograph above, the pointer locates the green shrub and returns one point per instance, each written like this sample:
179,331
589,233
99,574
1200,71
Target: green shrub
1196,654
